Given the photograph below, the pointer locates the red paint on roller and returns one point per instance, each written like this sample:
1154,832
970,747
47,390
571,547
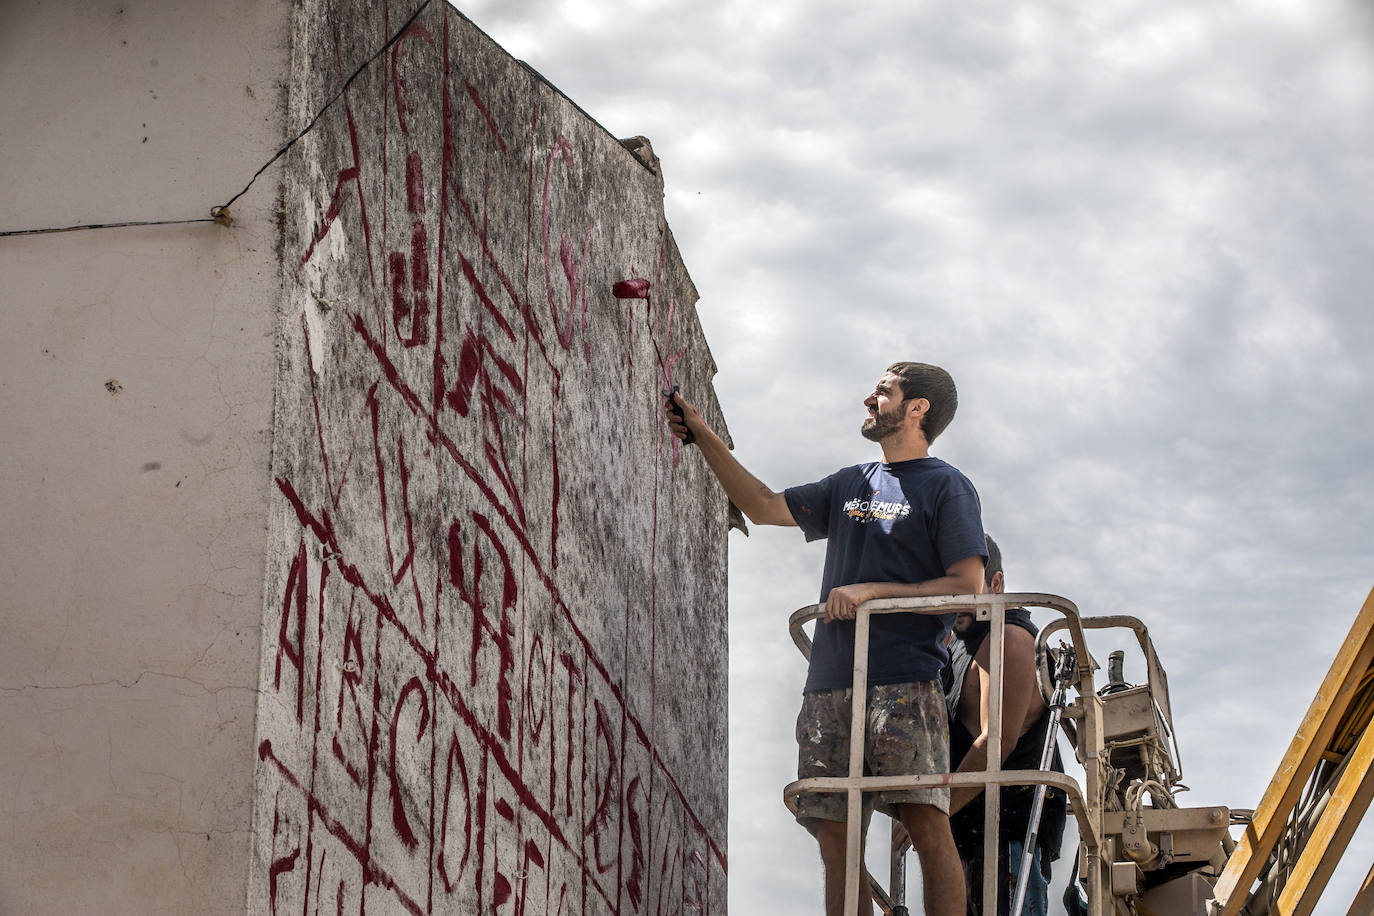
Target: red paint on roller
631,289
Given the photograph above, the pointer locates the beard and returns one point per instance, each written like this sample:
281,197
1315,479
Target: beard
879,427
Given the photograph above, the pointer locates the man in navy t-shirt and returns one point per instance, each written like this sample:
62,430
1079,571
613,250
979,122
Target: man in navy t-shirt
907,526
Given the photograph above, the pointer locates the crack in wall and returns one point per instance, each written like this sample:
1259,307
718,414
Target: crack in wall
126,685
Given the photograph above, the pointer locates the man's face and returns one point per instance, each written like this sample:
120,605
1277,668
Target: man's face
962,622
885,409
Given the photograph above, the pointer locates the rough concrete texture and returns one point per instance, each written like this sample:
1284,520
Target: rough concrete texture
136,387
494,648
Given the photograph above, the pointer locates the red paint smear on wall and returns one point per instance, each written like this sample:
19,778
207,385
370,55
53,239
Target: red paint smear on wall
293,603
486,116
397,81
373,873
398,814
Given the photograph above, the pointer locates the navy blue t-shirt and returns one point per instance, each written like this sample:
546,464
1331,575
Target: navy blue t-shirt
908,521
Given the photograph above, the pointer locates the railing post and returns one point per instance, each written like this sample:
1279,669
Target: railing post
1087,805
992,792
854,834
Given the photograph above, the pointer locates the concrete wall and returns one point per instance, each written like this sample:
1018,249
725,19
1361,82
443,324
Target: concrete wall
494,647
489,656
135,392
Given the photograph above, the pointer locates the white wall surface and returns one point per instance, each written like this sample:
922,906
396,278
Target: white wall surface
135,398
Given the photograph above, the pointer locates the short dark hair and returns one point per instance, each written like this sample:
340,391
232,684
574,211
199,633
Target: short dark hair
922,380
994,564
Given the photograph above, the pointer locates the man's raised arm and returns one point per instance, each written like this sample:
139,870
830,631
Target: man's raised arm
758,503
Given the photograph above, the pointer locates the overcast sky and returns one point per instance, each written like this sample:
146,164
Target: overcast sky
1139,236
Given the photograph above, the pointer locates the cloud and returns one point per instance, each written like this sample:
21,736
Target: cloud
1137,234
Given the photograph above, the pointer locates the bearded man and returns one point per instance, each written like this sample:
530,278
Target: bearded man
907,526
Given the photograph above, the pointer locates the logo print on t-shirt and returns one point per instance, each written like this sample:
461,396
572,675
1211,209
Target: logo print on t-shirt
875,510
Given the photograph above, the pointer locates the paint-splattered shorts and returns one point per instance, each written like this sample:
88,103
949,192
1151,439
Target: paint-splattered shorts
907,732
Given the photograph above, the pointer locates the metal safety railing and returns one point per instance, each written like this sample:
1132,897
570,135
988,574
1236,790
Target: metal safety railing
990,607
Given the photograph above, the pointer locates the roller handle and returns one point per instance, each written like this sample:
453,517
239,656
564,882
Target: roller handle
671,396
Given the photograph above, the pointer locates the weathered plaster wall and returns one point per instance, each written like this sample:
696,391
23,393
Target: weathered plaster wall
494,648
135,402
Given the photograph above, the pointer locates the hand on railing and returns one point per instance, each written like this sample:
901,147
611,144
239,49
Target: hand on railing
844,600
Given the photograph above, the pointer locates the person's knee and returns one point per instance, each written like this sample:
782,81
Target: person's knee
833,838
926,825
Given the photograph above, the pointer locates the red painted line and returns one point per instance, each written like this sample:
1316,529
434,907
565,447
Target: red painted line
653,633
582,799
486,116
561,149
375,730
293,600
373,873
375,411
470,273
336,202
557,485
315,731
532,326
357,171
350,678
455,752
281,865
398,814
319,882
398,82
620,792
382,86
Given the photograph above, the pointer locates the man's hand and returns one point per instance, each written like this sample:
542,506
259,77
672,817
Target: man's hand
963,578
690,421
843,602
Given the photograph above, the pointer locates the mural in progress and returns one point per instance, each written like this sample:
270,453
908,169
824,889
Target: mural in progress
494,645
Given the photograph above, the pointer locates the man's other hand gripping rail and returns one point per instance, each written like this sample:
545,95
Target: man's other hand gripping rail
907,526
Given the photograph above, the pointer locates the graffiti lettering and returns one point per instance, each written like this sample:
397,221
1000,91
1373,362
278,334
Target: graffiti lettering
468,722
